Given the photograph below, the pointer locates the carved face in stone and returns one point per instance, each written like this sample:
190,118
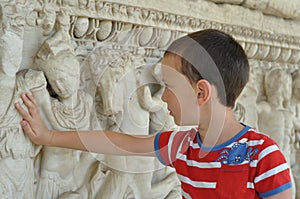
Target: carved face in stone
11,46
63,73
278,84
48,21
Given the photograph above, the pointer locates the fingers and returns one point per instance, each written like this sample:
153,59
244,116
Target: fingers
25,115
27,100
28,130
31,103
31,98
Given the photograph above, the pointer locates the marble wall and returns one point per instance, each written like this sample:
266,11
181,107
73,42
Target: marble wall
92,65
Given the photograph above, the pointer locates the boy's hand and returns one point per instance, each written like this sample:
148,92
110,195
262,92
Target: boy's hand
32,122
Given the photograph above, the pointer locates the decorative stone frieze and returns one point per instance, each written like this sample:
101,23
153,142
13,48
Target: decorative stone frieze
111,49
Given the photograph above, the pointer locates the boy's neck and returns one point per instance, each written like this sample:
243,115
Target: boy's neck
213,134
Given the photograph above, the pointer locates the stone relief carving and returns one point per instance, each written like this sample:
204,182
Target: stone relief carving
274,117
123,86
17,152
66,107
115,20
246,108
118,36
295,103
288,10
229,1
278,8
125,35
47,16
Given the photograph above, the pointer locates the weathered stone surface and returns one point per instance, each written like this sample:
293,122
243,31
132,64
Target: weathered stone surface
282,9
228,1
114,44
286,9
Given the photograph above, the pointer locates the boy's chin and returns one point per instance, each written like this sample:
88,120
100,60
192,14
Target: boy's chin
177,121
180,123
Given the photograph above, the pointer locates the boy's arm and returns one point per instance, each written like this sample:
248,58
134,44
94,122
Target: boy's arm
106,142
287,194
273,177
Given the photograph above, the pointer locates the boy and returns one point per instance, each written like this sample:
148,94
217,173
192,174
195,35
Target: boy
204,72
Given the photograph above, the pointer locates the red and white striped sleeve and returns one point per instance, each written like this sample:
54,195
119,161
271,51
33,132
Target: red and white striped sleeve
167,145
273,173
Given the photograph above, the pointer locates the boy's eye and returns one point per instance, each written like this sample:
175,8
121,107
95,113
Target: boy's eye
168,86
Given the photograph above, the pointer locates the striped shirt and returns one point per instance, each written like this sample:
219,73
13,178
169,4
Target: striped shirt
250,165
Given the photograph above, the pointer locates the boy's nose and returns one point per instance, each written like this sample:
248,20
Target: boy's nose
164,95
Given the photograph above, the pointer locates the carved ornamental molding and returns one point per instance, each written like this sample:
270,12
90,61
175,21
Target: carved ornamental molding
152,29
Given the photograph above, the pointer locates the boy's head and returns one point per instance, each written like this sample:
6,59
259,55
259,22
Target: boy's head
216,57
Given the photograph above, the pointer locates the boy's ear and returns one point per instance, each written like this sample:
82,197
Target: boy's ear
203,91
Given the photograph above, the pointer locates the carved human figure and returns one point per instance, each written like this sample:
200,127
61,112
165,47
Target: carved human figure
121,103
296,149
275,117
17,152
47,16
66,108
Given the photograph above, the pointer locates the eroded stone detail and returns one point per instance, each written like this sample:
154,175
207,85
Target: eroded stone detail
17,152
124,86
116,46
285,9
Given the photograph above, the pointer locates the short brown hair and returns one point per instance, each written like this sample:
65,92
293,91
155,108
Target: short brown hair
215,56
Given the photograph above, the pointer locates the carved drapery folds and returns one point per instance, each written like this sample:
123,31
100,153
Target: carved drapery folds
111,49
